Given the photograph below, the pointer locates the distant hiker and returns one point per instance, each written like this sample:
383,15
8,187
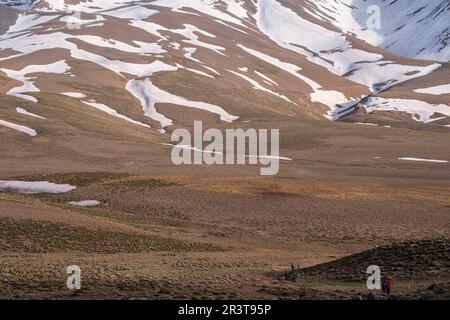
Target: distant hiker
370,296
291,275
357,296
388,287
383,285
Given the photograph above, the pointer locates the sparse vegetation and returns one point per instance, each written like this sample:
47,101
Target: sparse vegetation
30,236
141,184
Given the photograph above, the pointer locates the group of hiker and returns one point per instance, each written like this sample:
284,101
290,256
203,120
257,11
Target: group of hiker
386,284
386,287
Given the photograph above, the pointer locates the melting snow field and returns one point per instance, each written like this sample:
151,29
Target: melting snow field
427,20
85,203
320,45
233,9
438,90
25,22
18,127
133,12
149,95
34,187
28,85
328,97
423,160
331,49
420,110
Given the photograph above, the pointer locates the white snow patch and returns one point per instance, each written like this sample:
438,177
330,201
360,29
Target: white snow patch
423,160
211,69
328,97
149,95
143,48
35,187
227,25
190,54
114,113
74,95
100,24
234,9
195,71
18,127
131,12
266,78
85,203
143,91
438,90
98,7
380,76
28,21
74,20
175,45
366,124
37,42
195,149
27,113
28,83
190,32
420,110
150,27
269,157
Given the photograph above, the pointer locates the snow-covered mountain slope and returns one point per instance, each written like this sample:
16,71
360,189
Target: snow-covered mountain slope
290,57
19,4
413,28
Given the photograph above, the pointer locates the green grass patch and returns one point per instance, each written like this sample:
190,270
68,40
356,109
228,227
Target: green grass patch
326,282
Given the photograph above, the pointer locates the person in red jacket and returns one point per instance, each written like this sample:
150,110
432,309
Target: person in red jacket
388,287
